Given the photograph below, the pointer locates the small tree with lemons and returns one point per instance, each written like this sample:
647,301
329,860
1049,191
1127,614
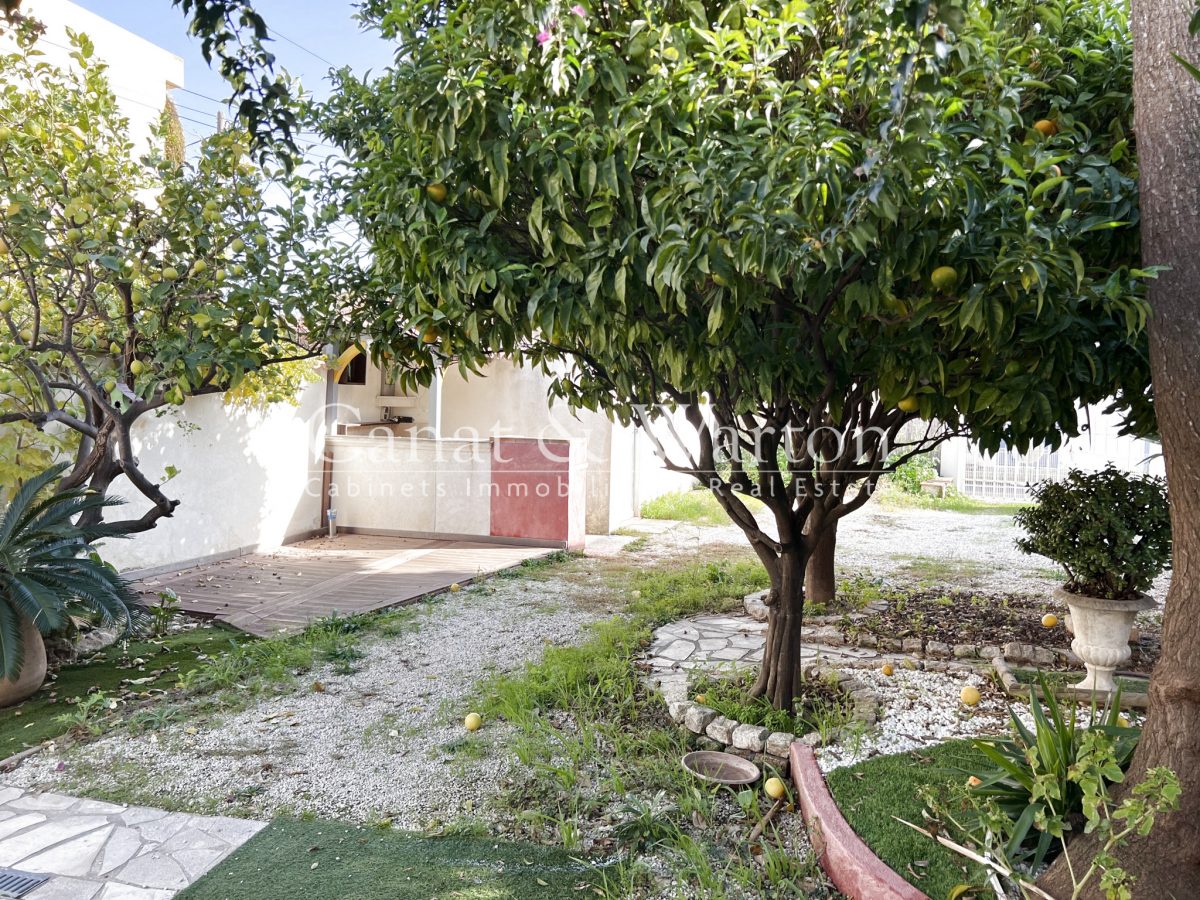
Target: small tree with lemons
796,228
129,284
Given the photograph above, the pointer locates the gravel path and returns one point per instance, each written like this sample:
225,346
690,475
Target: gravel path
371,744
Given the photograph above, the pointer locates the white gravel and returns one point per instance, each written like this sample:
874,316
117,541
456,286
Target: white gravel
372,744
921,709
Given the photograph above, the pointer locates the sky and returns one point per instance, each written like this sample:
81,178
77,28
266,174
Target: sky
311,36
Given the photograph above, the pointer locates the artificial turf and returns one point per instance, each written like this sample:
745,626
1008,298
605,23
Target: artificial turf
871,792
123,671
333,861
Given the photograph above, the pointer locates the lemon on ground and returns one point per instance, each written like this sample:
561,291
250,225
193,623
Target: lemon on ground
436,191
908,404
970,695
1046,127
473,722
888,670
455,588
974,781
944,278
1123,721
775,788
702,698
1049,620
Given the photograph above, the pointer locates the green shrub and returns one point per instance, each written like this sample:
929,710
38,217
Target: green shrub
908,475
1110,531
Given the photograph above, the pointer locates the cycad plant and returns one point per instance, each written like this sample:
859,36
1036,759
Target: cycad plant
1036,772
47,565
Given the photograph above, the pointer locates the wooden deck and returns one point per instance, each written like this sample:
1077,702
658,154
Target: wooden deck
268,593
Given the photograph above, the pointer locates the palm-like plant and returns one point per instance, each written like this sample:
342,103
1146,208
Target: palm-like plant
47,563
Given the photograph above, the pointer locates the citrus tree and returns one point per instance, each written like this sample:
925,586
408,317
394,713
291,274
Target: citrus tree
128,285
825,235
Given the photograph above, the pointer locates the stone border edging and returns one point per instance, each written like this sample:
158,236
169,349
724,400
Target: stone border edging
851,865
1019,690
762,745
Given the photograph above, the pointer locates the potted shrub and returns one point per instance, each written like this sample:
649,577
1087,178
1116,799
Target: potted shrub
1111,533
47,567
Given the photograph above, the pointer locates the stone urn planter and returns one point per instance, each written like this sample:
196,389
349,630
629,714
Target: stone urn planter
33,670
1101,629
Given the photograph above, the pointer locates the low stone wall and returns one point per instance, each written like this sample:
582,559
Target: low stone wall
766,748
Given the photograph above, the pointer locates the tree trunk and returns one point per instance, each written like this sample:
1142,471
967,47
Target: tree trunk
820,580
1167,100
779,678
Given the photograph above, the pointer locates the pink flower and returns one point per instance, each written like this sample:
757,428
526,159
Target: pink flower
543,36
579,11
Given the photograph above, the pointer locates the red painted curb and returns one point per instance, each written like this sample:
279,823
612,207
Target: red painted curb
852,867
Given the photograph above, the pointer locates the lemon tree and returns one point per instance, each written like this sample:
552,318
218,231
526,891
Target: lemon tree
825,235
129,283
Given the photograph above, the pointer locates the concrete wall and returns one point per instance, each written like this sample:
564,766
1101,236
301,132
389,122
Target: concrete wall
247,479
139,72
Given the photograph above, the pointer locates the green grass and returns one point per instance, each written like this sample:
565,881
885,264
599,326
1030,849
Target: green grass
331,861
928,568
212,664
821,709
696,507
871,792
110,671
890,497
1066,679
615,759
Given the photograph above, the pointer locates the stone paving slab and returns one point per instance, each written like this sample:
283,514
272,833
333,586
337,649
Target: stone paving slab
108,851
718,643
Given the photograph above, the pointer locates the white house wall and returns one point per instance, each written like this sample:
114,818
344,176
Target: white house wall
139,72
246,480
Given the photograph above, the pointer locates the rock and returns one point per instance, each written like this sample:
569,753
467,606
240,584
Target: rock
1028,653
707,743
812,739
721,729
911,645
910,664
755,607
96,639
889,643
989,651
678,710
750,737
937,648
697,718
964,651
826,634
779,742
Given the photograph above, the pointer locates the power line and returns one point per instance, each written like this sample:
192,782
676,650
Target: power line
283,36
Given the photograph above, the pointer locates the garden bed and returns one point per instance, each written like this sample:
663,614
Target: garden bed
951,623
870,793
86,694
